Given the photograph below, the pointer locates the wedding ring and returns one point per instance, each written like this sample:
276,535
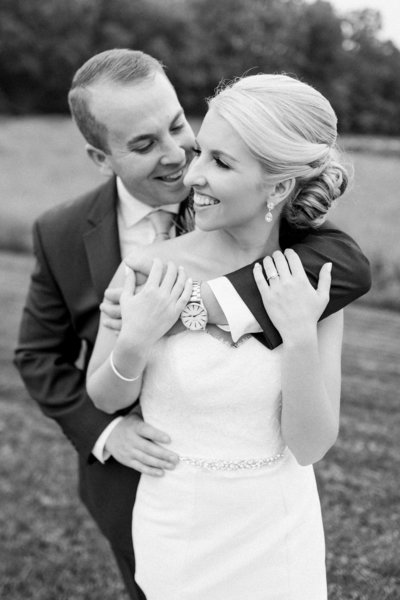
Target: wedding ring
273,275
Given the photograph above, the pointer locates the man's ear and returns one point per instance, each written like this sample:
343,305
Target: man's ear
100,159
282,190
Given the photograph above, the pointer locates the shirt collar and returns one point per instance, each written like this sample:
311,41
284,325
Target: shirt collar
133,210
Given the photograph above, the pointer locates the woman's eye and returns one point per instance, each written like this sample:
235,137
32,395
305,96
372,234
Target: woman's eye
177,127
221,163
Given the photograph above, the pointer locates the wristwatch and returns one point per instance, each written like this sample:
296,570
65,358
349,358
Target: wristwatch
194,315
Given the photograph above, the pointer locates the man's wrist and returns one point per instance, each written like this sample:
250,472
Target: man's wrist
100,448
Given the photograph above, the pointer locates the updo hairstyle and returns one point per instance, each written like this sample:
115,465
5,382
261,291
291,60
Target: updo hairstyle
291,129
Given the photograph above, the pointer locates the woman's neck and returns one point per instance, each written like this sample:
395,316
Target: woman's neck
244,246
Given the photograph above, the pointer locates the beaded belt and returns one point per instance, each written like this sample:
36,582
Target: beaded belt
232,465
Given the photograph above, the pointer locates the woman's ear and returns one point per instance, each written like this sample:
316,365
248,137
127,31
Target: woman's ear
282,190
100,159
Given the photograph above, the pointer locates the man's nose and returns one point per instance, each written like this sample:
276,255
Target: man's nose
173,153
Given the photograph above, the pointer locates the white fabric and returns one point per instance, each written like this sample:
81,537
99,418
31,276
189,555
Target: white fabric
99,450
217,535
240,319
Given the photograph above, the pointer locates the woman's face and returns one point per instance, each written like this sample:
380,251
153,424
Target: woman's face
230,188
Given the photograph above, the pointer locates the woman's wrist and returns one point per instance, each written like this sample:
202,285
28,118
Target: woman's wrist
300,336
129,360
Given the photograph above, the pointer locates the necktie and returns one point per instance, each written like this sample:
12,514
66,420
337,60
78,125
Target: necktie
162,222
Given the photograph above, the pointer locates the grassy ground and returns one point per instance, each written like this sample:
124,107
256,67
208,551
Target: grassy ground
42,163
51,550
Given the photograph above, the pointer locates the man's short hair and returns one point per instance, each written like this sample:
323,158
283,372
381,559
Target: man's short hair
118,66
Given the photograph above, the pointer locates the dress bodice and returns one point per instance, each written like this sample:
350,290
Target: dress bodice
215,401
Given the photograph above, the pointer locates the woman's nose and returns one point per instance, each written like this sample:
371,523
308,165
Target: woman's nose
194,176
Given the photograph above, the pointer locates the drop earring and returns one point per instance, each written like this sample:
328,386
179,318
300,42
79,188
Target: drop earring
268,217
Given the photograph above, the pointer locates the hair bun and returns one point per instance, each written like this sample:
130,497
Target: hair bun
314,196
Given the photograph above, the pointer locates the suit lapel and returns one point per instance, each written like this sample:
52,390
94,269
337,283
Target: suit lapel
101,238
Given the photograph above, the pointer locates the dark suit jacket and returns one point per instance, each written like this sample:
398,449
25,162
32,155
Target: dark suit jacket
77,252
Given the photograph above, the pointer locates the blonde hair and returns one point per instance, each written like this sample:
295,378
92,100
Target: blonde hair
291,128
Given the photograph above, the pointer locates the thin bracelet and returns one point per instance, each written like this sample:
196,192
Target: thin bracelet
118,374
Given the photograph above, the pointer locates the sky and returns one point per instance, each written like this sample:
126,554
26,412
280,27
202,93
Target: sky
389,9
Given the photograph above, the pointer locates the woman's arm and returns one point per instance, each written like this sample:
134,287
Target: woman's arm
311,354
115,370
311,378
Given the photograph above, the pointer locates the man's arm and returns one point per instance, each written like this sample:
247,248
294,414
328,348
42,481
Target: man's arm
47,350
45,357
351,277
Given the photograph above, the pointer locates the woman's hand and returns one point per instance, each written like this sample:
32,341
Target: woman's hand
148,315
291,302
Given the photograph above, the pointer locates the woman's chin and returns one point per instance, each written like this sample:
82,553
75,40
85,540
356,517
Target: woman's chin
203,224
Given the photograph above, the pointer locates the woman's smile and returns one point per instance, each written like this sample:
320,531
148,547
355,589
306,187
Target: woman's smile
203,200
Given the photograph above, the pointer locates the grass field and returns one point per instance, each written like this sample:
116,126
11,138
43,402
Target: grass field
51,550
43,162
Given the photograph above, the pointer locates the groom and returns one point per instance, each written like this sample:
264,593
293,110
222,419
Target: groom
137,134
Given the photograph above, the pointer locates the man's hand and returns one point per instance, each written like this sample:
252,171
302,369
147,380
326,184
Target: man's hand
141,264
135,444
111,308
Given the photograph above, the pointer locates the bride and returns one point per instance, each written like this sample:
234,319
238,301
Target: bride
239,517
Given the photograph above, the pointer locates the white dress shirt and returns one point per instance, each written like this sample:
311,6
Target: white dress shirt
134,227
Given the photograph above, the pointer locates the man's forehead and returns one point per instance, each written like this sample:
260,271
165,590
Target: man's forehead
142,101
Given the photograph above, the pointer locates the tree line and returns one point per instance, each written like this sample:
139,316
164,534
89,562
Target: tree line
43,42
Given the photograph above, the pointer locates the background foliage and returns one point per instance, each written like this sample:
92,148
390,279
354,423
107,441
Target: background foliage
43,42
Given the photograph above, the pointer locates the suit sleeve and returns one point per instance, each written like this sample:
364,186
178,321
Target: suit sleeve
351,277
47,350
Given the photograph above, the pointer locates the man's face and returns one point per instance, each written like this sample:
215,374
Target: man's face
149,139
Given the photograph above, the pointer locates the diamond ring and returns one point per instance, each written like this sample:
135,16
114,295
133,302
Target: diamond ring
273,275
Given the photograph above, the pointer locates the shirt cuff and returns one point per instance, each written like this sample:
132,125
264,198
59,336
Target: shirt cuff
239,317
99,450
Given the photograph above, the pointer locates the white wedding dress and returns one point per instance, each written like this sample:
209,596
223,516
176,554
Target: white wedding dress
238,518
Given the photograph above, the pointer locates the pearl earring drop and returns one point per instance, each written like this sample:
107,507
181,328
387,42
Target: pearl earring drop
268,217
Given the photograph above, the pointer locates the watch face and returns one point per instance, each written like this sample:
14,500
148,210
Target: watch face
194,316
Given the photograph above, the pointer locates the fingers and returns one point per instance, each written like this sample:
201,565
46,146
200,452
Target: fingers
325,278
135,444
113,311
129,283
139,262
156,273
174,282
260,280
270,270
113,295
295,264
170,277
113,324
281,265
184,297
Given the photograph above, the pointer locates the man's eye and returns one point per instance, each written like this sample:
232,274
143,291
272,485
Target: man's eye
178,127
143,149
